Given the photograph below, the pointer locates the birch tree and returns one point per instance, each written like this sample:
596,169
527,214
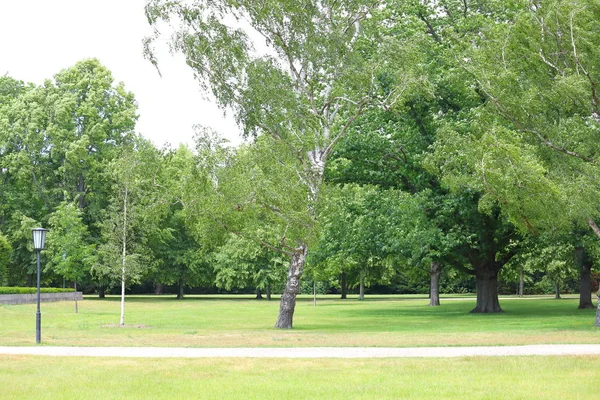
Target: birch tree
314,74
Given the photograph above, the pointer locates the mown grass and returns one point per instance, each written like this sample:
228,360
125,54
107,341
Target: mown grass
236,321
27,377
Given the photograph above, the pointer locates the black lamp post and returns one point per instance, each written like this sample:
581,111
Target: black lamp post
39,239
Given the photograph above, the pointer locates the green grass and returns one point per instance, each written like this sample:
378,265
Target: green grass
236,321
26,377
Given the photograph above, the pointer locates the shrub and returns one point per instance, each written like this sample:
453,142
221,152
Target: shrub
32,290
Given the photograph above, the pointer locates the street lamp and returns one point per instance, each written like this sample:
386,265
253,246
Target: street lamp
39,239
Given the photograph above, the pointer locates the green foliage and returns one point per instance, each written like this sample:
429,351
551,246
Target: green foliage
5,252
240,263
69,252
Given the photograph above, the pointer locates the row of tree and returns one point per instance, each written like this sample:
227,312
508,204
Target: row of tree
386,136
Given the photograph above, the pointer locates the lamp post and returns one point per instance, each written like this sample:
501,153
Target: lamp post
39,239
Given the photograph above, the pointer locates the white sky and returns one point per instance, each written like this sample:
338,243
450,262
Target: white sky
38,38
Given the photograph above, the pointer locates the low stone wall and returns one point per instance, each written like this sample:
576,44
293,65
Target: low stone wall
44,297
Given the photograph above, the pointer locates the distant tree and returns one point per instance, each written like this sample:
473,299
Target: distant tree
70,253
5,251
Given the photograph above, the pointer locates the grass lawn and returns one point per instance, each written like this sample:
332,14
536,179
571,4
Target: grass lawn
235,321
26,377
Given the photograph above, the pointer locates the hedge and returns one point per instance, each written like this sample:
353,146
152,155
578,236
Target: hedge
32,290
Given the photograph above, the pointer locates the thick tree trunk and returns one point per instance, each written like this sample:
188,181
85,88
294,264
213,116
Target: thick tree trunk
557,290
344,285
361,290
258,294
487,291
287,304
435,271
521,281
585,278
159,288
101,292
180,287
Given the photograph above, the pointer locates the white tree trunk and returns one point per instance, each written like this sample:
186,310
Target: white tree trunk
124,258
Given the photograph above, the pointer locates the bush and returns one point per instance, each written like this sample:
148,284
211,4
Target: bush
32,290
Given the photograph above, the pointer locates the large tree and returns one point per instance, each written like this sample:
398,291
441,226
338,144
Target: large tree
533,147
317,74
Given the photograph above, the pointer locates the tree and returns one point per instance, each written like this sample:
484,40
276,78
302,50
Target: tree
240,263
56,140
123,254
5,250
318,77
535,141
70,253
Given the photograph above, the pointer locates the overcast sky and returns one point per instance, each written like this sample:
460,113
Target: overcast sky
38,38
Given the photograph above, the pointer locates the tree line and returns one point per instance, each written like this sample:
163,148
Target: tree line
417,138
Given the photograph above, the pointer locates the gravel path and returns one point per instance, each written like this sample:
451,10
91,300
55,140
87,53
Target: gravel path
307,352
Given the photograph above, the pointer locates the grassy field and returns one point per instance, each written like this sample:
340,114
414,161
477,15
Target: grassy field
206,321
25,377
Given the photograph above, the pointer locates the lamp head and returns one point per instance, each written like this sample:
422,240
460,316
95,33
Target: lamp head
39,238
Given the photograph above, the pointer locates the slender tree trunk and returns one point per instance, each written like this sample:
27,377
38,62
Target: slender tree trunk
124,259
180,287
76,305
557,290
314,293
344,285
435,271
81,191
521,281
269,292
585,278
487,290
598,309
287,304
361,287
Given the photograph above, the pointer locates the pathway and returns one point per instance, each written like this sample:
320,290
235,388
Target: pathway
307,352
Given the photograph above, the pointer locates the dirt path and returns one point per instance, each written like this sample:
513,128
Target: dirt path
308,352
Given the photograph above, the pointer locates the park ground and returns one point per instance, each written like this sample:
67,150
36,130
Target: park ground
224,322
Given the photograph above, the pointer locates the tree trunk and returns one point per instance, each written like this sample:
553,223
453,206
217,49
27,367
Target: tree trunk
101,292
521,281
435,271
258,294
344,285
361,290
124,259
180,287
269,292
487,290
81,192
557,290
585,278
76,305
598,310
159,288
287,304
